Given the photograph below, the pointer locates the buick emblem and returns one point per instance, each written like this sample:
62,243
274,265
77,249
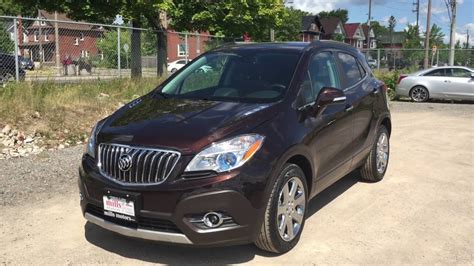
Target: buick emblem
125,162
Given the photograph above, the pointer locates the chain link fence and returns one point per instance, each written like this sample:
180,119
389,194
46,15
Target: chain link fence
63,50
411,60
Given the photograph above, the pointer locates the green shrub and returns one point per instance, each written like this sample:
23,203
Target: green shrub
390,78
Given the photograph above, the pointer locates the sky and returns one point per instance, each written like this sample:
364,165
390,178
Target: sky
402,11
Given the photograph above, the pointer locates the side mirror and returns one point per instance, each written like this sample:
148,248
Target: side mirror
472,75
330,96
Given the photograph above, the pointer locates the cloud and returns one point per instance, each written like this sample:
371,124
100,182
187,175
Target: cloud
316,6
403,20
461,34
440,9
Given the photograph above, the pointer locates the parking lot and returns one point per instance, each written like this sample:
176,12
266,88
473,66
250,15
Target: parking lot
422,212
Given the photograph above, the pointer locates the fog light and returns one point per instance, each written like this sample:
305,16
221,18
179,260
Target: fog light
212,219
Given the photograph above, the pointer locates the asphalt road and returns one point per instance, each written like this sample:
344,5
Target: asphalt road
422,212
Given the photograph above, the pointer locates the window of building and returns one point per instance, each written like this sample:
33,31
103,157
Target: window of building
46,37
42,22
76,41
81,37
36,36
182,50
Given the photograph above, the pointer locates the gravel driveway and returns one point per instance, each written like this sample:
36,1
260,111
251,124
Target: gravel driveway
422,212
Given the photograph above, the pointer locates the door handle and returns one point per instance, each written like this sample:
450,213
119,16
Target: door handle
447,81
349,107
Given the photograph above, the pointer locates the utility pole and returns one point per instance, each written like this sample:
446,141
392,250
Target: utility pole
467,39
452,37
368,24
427,36
416,8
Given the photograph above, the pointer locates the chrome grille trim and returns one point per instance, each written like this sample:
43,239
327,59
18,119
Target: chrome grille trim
149,166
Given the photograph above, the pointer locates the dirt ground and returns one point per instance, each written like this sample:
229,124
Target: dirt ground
422,212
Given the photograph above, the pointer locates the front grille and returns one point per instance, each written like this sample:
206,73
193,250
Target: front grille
142,222
136,165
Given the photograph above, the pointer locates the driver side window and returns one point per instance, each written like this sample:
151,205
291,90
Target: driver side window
322,72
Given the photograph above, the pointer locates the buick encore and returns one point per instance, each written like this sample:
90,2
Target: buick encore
233,154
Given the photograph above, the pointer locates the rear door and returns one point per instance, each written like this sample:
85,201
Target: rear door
361,94
436,82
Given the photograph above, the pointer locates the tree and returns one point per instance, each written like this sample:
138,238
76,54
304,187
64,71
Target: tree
413,41
392,22
436,36
13,8
6,44
290,28
342,14
228,18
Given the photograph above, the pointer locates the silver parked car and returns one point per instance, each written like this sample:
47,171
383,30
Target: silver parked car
451,83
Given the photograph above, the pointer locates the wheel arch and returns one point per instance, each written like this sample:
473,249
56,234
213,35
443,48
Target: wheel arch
306,166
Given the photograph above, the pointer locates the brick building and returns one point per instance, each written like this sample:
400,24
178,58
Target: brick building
177,45
75,40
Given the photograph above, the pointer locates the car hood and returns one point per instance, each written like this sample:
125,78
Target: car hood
181,124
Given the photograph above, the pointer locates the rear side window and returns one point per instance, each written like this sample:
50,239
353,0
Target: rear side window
351,68
436,73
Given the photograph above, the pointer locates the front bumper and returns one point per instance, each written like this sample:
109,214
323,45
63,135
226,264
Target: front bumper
167,212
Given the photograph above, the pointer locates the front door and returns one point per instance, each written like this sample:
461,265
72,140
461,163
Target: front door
331,129
461,83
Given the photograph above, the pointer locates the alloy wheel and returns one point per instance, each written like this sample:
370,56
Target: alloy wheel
291,209
419,94
382,153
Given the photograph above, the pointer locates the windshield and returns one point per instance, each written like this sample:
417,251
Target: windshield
240,75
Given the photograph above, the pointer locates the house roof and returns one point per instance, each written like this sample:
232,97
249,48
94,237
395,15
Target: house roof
330,24
365,29
351,29
62,17
307,21
398,37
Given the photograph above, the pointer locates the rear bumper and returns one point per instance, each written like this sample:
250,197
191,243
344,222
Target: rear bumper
402,91
168,214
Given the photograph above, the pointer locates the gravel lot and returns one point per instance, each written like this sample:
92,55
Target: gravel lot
422,212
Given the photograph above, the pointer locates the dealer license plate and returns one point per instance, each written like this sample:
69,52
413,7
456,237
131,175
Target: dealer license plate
115,205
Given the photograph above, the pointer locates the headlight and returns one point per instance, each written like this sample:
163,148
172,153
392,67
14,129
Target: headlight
90,148
226,155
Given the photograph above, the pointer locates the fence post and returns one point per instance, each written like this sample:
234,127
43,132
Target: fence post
186,46
56,43
118,53
378,58
17,65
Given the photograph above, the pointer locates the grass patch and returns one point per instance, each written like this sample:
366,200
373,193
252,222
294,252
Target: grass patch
66,112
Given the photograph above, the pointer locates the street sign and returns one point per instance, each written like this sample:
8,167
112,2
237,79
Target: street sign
125,47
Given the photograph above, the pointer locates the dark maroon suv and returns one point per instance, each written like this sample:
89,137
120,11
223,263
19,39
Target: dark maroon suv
231,148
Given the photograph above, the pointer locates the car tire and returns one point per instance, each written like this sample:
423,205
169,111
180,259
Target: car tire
377,162
173,70
270,238
419,94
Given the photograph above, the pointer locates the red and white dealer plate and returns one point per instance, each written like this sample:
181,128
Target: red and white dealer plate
119,205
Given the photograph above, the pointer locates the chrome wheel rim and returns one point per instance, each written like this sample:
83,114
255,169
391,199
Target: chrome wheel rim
419,94
291,209
382,153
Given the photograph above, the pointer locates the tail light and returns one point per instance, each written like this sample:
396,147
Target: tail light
400,78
